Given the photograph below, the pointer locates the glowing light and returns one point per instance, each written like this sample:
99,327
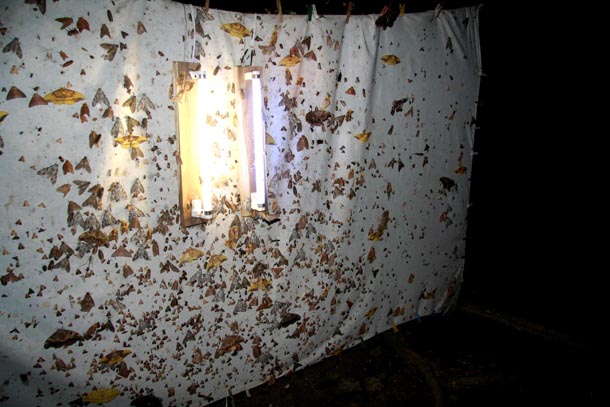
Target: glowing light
258,197
202,208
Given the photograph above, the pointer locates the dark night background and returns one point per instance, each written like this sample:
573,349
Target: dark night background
526,249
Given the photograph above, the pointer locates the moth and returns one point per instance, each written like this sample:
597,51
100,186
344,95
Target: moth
64,96
114,357
397,106
100,98
127,83
94,237
289,61
63,264
141,253
65,22
62,338
37,100
130,103
131,123
448,183
100,396
10,277
189,255
141,29
82,24
64,189
449,45
86,303
302,144
130,141
169,266
117,192
371,255
267,49
390,59
310,55
137,188
111,50
117,128
121,252
15,47
145,104
318,117
104,31
108,219
50,172
82,187
67,167
83,164
215,260
108,113
381,227
236,30
14,93
363,137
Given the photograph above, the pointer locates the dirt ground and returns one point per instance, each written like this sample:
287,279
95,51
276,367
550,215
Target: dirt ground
460,359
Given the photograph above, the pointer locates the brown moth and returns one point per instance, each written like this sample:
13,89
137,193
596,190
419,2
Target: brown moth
37,100
15,47
111,50
14,93
49,172
65,22
62,338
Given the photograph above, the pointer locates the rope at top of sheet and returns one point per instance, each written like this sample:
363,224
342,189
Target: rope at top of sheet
350,6
278,4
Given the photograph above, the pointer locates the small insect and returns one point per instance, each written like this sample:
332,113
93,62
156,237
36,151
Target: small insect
236,30
290,60
111,50
363,137
14,93
50,172
130,103
64,96
65,21
390,59
37,100
15,47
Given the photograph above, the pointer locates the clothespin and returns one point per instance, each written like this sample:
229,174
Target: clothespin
350,6
402,7
207,6
388,15
309,11
438,9
278,4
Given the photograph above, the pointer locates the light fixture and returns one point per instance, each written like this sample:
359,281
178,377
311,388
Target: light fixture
254,141
202,208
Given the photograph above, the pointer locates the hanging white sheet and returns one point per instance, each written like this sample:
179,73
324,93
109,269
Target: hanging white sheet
370,136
